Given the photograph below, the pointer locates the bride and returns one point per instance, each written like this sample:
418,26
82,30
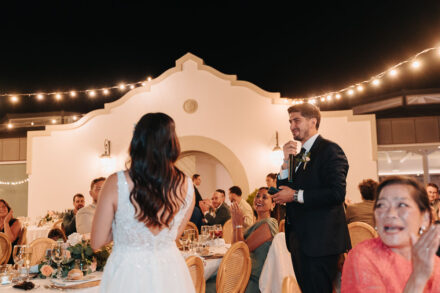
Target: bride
143,210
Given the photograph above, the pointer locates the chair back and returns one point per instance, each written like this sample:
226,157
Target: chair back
191,225
282,226
5,248
38,248
58,224
22,238
235,269
227,231
196,270
290,285
359,232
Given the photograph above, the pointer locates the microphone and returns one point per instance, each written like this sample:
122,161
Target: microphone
291,167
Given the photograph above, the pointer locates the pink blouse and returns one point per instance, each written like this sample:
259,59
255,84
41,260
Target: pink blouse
373,267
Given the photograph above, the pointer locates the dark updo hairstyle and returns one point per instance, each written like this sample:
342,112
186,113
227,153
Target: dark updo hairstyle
418,191
56,233
367,187
154,149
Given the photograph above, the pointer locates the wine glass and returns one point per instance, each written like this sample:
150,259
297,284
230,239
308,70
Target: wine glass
184,240
57,256
22,259
211,232
218,231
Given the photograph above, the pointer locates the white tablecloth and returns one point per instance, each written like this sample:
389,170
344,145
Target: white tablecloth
42,282
35,232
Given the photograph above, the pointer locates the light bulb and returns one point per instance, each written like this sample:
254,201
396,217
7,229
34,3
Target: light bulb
393,72
360,88
122,86
105,91
415,64
74,118
338,96
73,94
376,82
350,92
10,125
40,97
53,121
149,78
92,93
58,97
131,86
14,99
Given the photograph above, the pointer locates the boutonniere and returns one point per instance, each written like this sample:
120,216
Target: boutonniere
305,158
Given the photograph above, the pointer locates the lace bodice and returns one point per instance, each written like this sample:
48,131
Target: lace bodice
128,232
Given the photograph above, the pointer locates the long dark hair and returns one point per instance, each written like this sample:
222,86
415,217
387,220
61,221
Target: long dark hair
154,149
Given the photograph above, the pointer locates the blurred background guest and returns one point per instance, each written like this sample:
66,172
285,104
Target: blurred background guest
69,218
363,211
245,208
216,211
279,212
57,233
84,217
432,190
9,225
402,258
197,180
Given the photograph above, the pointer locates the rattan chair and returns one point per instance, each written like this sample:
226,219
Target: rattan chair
359,232
282,226
235,269
191,225
38,248
22,238
227,231
290,285
5,248
196,269
58,224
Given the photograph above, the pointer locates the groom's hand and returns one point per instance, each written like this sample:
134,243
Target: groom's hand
284,195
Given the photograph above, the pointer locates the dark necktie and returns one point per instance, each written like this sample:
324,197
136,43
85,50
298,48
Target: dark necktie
299,157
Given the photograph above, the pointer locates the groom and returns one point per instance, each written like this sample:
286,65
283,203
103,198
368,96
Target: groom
316,229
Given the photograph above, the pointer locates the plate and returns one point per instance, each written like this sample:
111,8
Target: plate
85,278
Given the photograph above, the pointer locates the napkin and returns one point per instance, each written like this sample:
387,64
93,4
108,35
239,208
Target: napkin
66,283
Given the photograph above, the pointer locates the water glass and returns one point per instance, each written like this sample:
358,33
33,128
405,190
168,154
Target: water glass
57,256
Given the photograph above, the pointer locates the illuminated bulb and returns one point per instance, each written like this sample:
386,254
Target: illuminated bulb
338,96
143,84
285,101
122,86
350,92
149,78
131,86
301,102
360,88
32,123
415,64
376,82
92,93
73,94
14,99
10,125
322,99
329,97
74,118
106,91
40,97
58,97
393,72
54,121
312,101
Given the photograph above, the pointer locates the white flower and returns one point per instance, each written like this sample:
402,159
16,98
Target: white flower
74,239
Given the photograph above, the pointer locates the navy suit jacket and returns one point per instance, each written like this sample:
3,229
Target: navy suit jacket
318,226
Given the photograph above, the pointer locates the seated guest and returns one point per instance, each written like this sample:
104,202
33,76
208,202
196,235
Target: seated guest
434,202
246,209
279,212
197,218
216,211
84,217
363,211
56,234
258,237
69,218
402,258
9,225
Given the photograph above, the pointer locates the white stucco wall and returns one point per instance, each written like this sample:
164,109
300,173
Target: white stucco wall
63,159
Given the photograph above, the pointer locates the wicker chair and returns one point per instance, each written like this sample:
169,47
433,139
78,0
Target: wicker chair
290,285
191,225
359,232
58,224
196,269
227,231
5,248
282,226
38,248
235,269
22,239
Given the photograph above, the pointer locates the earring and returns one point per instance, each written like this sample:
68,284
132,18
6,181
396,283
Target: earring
422,230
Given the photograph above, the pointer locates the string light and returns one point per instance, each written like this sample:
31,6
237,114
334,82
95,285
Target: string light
393,72
360,88
73,94
54,121
376,82
122,86
92,93
350,92
14,182
415,64
14,99
10,125
338,96
40,97
58,96
131,86
106,91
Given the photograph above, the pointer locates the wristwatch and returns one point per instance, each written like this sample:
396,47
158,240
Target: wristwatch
295,196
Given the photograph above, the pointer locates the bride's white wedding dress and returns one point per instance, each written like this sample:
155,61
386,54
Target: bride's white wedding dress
141,261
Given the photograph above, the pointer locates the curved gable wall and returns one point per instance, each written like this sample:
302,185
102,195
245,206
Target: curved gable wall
241,117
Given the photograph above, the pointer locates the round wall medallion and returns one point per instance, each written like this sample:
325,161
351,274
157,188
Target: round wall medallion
190,106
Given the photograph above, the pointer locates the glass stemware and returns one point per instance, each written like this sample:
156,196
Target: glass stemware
57,255
218,231
22,259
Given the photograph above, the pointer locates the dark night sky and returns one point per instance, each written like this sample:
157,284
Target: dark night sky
296,49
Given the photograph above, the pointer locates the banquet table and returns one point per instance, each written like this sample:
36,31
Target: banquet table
41,283
35,232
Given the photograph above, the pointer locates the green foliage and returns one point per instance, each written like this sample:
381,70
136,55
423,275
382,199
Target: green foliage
251,197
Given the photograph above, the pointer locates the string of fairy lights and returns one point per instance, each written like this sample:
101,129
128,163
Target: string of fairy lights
14,182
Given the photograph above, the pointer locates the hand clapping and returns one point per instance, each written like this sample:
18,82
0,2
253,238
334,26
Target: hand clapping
424,250
236,215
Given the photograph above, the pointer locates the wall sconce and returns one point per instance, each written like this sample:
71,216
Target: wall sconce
106,148
277,153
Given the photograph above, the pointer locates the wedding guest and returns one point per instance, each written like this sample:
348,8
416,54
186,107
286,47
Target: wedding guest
402,258
258,237
216,211
246,209
197,180
9,225
279,212
363,211
69,218
56,233
84,217
434,201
